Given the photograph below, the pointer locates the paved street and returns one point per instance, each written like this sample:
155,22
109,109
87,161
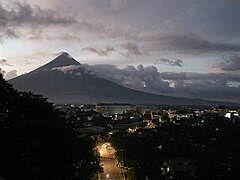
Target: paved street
109,164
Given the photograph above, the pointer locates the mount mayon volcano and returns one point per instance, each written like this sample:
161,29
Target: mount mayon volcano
65,81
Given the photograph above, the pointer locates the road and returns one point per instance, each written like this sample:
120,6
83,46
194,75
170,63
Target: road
109,163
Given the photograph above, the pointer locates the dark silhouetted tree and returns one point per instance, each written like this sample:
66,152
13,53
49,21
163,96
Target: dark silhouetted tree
35,143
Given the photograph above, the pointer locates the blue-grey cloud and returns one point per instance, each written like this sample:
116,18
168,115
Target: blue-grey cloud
230,63
185,43
214,19
131,49
118,5
177,62
18,16
19,19
20,13
99,51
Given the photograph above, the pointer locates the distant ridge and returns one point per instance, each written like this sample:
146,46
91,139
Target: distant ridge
65,81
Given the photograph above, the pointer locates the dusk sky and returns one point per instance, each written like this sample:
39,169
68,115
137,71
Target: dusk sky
188,48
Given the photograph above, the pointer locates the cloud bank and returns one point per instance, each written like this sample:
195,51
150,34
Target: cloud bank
215,86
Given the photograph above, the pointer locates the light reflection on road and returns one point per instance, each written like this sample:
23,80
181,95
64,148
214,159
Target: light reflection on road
109,163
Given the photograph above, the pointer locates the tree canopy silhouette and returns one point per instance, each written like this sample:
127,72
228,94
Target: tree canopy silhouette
35,143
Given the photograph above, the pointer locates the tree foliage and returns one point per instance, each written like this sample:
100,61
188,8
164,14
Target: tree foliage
36,143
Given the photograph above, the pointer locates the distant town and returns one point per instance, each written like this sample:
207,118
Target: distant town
160,142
